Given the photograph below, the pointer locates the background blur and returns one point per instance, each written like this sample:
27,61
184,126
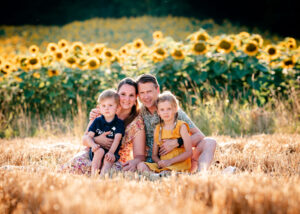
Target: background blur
276,16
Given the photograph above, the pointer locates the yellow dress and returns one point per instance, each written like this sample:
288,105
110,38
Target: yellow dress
170,134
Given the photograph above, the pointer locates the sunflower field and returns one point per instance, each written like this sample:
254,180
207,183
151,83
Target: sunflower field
57,76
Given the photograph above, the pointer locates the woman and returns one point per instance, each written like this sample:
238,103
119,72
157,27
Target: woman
132,149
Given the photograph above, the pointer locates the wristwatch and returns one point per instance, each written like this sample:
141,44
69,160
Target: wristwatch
180,142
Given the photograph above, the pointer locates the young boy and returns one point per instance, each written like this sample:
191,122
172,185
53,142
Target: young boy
108,102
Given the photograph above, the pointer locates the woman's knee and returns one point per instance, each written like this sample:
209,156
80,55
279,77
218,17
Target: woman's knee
210,143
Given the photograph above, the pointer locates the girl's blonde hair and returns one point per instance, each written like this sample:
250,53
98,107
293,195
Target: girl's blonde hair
168,96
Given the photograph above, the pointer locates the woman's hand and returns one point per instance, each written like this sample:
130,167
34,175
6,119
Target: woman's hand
167,146
131,165
110,157
95,112
103,141
164,163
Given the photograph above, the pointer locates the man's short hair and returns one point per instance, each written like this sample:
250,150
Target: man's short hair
109,93
144,78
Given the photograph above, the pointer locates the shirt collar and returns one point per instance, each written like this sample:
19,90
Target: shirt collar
109,123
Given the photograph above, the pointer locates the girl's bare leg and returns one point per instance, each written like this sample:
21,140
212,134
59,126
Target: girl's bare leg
97,160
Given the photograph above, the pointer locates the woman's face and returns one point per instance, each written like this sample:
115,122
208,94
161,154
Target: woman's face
127,96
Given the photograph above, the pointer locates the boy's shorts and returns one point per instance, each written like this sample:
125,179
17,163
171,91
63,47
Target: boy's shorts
91,154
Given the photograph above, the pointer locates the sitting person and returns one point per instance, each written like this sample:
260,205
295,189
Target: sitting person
132,149
108,102
179,159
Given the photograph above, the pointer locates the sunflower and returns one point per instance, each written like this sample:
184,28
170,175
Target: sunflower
53,72
52,47
123,51
7,68
157,35
59,55
199,48
34,62
200,36
1,61
291,40
272,52
177,54
157,58
81,62
291,44
66,50
18,79
258,39
93,63
47,60
98,49
244,35
62,43
77,47
161,53
109,54
1,79
71,61
288,62
33,49
138,44
225,45
36,75
251,48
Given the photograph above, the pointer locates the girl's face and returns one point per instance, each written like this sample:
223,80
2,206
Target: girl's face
127,96
166,111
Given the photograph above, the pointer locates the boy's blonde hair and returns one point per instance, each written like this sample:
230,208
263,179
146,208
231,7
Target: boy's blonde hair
109,93
168,96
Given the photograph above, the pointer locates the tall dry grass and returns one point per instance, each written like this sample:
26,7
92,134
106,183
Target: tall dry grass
267,180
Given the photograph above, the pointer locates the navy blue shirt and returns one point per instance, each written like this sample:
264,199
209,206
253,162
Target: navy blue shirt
100,125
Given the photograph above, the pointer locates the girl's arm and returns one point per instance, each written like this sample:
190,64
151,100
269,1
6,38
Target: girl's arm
187,145
155,157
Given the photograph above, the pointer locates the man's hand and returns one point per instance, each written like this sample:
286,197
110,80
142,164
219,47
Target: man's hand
95,147
103,141
164,163
168,146
131,165
110,157
95,112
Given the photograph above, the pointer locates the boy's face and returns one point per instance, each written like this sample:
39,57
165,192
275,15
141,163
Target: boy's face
108,107
148,94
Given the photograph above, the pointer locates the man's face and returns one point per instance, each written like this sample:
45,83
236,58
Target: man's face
148,94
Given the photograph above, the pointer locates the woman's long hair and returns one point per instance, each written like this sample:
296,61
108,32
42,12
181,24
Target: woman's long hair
134,110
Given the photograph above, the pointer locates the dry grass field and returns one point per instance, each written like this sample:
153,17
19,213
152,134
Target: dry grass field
267,180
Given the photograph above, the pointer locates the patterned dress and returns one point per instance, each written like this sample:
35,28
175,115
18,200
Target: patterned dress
81,163
170,134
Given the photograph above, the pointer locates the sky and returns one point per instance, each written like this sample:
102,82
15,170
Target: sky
277,16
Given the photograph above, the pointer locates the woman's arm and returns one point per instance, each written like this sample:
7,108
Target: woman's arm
139,143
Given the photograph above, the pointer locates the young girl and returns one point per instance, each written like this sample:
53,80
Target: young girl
179,159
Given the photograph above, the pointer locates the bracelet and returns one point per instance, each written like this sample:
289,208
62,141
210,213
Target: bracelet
180,142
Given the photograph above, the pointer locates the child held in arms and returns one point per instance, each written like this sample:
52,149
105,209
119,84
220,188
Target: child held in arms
108,103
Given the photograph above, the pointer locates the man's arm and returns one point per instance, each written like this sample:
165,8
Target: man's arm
196,135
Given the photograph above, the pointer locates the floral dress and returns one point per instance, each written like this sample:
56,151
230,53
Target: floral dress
81,163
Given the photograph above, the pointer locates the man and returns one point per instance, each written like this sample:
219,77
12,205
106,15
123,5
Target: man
148,89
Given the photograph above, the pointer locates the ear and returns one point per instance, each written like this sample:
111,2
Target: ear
158,90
